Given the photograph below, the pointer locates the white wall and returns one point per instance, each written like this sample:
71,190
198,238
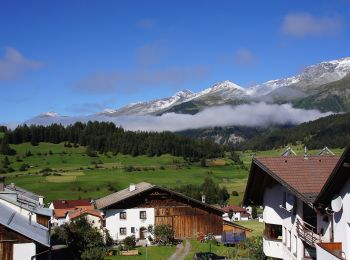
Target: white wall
93,220
23,251
274,214
323,254
273,248
342,220
114,223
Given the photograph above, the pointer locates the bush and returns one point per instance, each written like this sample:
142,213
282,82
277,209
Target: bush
164,234
90,152
129,242
94,253
234,193
23,167
254,246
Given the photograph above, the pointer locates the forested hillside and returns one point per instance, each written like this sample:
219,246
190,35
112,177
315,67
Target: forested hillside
332,131
107,137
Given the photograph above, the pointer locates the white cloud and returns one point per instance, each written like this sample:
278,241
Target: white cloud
305,24
257,114
13,64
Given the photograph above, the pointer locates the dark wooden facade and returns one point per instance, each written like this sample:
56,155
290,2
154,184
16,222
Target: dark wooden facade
188,217
7,239
43,220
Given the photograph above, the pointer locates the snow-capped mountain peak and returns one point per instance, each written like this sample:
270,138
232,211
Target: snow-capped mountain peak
49,114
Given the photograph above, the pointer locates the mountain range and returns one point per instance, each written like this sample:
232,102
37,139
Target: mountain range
324,86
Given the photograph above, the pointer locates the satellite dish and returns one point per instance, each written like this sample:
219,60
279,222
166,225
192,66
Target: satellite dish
337,204
290,202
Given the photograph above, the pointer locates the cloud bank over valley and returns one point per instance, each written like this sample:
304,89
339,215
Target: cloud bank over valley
251,115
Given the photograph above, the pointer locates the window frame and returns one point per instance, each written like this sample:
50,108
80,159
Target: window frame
123,233
143,214
122,214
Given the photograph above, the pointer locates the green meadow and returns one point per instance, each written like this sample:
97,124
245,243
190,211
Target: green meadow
59,172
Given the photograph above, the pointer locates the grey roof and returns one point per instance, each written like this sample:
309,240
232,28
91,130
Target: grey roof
24,202
121,195
20,224
23,192
141,187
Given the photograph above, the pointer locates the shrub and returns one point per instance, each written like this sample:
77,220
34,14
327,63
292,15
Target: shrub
164,234
254,246
23,167
129,242
234,193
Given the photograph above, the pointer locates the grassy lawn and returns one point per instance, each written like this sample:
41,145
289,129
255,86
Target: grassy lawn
256,226
76,175
153,252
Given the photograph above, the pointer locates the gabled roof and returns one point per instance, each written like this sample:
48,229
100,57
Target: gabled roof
336,180
23,202
23,192
70,204
303,177
20,224
123,194
232,224
234,208
78,213
142,187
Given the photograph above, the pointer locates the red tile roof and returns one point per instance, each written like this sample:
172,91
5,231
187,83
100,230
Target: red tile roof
77,213
68,204
305,175
234,208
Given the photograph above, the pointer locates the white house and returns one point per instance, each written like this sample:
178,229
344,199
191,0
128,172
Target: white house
62,207
288,188
239,213
93,216
23,224
136,209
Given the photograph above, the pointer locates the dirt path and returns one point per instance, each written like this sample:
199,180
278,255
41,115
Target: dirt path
181,251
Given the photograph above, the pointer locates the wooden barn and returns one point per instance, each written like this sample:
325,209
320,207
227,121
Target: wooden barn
133,210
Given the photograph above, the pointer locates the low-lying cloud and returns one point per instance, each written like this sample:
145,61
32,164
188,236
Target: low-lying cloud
251,115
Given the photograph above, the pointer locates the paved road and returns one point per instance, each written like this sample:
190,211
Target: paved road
181,251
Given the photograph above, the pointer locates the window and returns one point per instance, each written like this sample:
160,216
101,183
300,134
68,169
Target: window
132,230
122,231
273,232
122,215
143,215
290,241
295,245
285,236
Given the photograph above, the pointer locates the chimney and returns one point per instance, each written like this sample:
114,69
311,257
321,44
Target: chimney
203,198
41,200
2,183
132,187
305,153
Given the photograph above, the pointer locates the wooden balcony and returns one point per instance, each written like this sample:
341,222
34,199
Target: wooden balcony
308,233
334,248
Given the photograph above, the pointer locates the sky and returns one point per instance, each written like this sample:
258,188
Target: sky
80,57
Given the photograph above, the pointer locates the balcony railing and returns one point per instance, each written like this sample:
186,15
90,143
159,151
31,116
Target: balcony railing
307,233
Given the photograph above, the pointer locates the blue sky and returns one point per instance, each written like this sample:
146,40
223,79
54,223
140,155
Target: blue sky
79,57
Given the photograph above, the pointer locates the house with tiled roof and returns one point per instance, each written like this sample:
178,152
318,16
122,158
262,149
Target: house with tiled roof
62,207
289,189
132,211
239,213
93,216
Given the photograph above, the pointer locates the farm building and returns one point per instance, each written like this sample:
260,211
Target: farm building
131,211
24,222
62,207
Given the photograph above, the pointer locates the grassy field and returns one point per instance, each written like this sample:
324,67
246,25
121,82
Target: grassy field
153,252
74,175
256,226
